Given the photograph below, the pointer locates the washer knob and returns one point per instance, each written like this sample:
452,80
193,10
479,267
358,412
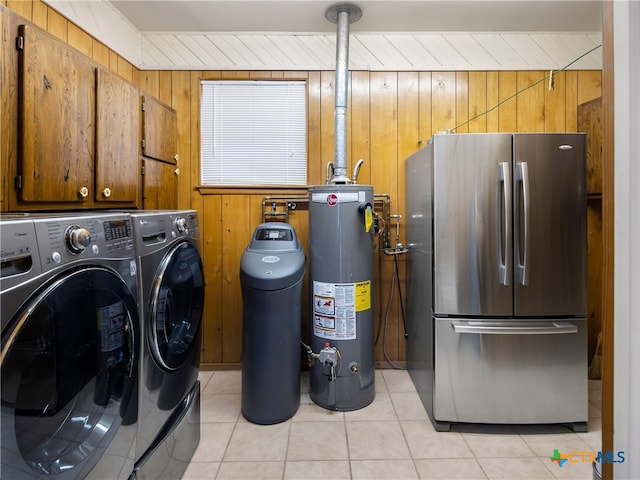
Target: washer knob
77,238
181,225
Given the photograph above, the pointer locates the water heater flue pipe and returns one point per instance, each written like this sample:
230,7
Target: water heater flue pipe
342,14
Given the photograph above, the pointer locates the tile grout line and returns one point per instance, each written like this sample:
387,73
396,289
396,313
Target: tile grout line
346,437
404,435
475,457
226,448
286,450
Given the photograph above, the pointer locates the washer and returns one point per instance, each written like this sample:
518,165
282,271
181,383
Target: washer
70,346
171,291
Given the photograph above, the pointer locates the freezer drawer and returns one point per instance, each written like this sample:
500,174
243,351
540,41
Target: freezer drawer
519,372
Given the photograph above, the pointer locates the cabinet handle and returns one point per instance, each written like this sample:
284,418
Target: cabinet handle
84,192
176,157
177,171
106,193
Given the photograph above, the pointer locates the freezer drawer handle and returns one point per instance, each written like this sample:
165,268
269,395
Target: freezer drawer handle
546,328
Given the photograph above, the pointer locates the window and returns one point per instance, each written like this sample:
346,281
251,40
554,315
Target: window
253,133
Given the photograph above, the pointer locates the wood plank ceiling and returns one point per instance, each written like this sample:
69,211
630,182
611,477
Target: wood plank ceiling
393,35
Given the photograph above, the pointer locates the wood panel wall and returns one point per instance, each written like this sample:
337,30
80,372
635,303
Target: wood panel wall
390,115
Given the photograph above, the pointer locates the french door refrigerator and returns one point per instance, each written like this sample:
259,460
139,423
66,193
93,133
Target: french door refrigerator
497,278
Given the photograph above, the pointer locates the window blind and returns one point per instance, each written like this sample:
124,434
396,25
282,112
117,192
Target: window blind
253,133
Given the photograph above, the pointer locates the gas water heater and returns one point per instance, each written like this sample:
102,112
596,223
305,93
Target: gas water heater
341,282
342,375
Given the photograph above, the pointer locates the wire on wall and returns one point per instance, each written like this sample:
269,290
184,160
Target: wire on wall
549,77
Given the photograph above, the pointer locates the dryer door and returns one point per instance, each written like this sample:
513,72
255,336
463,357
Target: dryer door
176,304
69,380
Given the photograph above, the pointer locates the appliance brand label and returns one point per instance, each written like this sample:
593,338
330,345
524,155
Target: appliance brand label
333,198
270,259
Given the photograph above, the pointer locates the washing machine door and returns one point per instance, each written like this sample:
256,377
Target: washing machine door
69,380
176,305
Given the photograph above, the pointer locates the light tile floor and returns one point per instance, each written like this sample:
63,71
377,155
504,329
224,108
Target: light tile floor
390,439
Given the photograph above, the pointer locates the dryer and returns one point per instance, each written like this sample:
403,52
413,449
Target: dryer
70,346
171,290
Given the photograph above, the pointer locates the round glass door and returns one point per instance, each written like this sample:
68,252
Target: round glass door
68,375
177,300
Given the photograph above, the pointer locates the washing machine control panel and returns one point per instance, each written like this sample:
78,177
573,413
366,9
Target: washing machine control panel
185,224
153,230
18,252
64,240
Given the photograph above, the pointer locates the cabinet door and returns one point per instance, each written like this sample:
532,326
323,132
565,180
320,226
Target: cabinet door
160,185
117,128
159,125
57,111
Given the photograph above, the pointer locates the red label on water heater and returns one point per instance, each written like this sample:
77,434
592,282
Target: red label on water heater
332,199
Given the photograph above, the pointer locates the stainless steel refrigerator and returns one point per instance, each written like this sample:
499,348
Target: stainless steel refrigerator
497,278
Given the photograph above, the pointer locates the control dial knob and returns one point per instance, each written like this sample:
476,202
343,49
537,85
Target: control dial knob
181,225
77,238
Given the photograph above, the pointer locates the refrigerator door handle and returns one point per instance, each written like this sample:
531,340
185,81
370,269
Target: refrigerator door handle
522,257
504,222
513,328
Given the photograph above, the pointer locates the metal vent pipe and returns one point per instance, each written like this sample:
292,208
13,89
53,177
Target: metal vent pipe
342,14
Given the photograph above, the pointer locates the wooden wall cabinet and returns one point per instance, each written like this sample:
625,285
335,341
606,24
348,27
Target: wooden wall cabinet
160,158
78,129
117,166
57,112
159,185
159,128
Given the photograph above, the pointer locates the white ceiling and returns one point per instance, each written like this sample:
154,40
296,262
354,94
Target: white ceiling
377,15
392,35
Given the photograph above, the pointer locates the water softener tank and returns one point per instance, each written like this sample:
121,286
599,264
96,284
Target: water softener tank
342,377
271,274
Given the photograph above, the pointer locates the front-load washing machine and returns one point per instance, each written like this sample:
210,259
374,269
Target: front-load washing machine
70,347
171,291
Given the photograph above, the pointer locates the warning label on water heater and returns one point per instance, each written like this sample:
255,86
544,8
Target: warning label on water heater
335,306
